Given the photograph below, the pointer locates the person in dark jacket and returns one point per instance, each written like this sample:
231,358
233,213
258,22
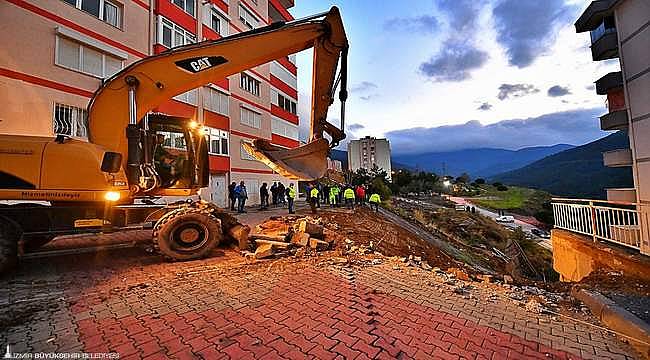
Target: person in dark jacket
274,193
242,195
232,196
281,191
264,197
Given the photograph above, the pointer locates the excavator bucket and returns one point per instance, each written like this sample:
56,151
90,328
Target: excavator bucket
307,162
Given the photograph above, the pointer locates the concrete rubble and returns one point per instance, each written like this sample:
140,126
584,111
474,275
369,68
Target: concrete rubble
290,235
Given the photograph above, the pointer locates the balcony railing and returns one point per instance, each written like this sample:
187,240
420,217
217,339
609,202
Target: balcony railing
616,222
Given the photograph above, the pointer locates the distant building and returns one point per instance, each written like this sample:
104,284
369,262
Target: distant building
368,152
619,30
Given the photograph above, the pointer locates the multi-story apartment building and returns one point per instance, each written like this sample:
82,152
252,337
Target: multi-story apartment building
619,29
369,152
56,53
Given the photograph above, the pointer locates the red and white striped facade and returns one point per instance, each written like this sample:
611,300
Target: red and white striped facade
55,53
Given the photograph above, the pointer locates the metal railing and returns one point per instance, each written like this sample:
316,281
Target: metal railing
617,222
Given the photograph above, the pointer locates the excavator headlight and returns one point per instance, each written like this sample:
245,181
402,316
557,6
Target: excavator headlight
112,196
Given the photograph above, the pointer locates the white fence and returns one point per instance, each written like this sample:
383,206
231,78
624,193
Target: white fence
610,221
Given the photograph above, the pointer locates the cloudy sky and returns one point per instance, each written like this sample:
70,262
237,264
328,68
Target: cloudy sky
437,75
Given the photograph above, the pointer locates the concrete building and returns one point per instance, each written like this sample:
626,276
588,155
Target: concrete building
56,53
368,152
619,29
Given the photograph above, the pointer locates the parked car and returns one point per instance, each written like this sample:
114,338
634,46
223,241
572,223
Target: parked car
505,219
541,233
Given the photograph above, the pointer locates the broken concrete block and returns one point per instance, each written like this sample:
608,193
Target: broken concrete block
318,244
314,230
507,279
276,244
263,251
240,233
300,238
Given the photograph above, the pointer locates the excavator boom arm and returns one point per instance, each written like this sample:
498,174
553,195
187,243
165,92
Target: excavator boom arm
136,90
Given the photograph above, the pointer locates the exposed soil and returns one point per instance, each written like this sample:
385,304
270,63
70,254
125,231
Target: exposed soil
630,293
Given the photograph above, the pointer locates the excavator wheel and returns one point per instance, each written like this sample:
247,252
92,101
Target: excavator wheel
186,234
9,235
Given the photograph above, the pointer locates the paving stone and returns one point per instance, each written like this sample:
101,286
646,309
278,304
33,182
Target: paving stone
219,308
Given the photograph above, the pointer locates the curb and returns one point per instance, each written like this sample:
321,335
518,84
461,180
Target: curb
617,318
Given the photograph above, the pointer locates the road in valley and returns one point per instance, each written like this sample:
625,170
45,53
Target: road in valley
526,227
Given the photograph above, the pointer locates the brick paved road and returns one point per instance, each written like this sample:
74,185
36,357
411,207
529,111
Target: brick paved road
131,303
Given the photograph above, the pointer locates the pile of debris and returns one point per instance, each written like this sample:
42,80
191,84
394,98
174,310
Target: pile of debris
291,235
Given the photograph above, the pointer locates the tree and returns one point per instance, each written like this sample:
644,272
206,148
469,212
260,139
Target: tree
381,188
464,178
480,181
502,188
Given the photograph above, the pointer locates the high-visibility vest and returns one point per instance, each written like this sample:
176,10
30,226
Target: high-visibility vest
313,193
374,198
348,193
292,193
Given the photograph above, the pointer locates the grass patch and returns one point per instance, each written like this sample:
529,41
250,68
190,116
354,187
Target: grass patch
513,198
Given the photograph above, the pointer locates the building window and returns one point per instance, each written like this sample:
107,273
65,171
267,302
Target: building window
78,57
217,141
286,104
247,18
250,118
186,5
250,84
216,101
105,10
70,120
188,97
243,153
172,35
283,128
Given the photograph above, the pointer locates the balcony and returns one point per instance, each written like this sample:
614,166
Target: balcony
618,158
625,195
593,15
605,47
613,80
611,221
615,120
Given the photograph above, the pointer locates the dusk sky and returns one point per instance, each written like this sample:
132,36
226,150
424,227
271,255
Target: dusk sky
438,75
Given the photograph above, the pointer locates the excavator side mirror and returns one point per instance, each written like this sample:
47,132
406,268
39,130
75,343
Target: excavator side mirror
111,162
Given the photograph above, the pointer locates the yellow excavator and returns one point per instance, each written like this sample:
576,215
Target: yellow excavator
51,186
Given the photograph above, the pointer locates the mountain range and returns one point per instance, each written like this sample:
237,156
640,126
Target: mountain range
577,172
482,162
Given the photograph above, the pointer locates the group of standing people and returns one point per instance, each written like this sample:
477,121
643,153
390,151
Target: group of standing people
237,194
280,195
336,196
333,195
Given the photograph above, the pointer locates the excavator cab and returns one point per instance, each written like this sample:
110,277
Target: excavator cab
178,151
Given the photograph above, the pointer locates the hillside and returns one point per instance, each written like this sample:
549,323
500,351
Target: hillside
482,162
577,172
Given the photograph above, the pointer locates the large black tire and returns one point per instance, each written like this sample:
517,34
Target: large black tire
186,234
9,236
